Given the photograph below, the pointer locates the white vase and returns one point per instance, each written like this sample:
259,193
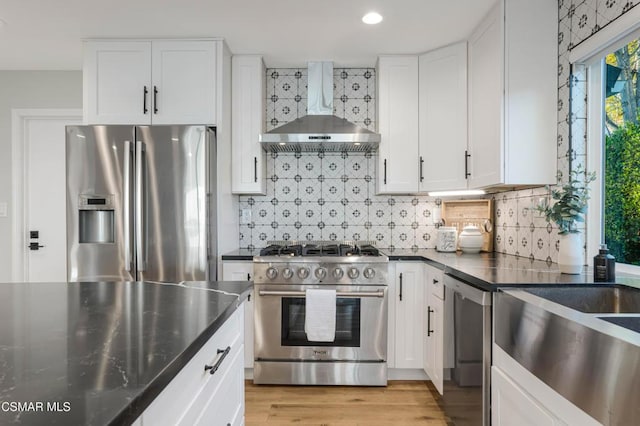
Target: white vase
571,253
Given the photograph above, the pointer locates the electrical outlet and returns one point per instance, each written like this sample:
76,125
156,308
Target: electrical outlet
245,216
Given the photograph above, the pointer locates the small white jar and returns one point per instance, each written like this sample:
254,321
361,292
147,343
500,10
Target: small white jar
470,240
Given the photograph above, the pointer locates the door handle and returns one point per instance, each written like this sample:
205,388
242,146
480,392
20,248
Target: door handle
126,205
466,164
144,100
421,164
385,171
255,169
34,246
401,286
155,99
140,208
429,330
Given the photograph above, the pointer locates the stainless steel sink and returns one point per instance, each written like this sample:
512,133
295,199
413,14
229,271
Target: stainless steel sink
603,299
593,365
630,323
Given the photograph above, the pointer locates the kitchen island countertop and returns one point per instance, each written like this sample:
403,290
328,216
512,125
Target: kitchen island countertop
97,353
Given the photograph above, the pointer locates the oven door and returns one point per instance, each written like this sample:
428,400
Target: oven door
361,324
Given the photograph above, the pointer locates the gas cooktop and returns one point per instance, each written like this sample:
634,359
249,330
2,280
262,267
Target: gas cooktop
320,249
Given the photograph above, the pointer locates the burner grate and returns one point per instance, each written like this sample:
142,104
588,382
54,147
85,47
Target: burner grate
320,248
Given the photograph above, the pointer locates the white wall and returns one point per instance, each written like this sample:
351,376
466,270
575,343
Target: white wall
27,89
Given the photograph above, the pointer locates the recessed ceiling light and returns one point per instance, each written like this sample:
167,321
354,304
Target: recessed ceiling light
372,18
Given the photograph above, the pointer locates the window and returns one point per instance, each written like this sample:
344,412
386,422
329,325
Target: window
614,152
621,154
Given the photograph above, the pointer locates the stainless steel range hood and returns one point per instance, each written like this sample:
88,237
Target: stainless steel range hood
320,130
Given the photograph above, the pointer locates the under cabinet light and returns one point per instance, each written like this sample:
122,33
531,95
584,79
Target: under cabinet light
456,193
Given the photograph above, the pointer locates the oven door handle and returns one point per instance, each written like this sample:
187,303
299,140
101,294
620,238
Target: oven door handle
379,293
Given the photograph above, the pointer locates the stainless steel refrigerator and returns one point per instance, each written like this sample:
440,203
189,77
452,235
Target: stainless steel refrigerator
141,203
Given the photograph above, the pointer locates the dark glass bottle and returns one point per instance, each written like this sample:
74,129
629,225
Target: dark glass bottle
604,266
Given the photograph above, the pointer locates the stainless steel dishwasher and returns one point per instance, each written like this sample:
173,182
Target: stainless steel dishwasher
467,318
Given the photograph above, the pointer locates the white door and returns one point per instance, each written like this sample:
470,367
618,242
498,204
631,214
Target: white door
40,195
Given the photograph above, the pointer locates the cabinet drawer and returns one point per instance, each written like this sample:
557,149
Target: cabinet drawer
223,404
436,284
177,399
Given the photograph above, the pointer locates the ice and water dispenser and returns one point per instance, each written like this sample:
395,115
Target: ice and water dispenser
96,219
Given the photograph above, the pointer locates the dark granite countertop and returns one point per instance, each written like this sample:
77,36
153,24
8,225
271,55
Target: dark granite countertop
488,271
241,254
98,353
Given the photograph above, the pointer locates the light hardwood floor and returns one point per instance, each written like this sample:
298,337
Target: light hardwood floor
400,403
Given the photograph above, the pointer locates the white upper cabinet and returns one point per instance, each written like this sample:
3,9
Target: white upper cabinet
248,159
150,81
117,82
513,95
184,82
443,118
398,159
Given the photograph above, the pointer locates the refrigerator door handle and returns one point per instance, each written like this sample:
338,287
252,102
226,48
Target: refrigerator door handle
140,207
127,205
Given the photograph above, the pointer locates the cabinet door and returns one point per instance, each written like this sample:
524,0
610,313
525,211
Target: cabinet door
398,161
443,118
531,93
436,333
486,77
434,328
184,82
512,405
409,310
243,271
248,159
117,82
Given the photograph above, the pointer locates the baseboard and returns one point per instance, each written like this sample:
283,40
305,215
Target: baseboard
406,374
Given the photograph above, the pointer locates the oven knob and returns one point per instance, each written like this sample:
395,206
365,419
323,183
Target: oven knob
287,273
353,273
272,273
338,273
321,273
303,273
369,273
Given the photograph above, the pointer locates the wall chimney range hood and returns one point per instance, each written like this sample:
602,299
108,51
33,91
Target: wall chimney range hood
320,130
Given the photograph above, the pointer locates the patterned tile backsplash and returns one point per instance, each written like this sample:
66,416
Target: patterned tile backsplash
332,196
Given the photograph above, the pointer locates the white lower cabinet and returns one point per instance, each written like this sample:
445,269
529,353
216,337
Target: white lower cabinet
512,405
242,271
408,301
433,337
194,395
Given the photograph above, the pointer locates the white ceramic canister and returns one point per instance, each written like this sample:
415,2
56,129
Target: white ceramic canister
447,236
470,240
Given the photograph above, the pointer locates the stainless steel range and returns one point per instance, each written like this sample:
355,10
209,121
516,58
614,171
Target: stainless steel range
283,352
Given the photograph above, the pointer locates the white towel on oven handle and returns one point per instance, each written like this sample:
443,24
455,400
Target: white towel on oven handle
320,315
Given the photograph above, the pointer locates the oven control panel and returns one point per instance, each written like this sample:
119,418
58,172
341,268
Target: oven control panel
277,271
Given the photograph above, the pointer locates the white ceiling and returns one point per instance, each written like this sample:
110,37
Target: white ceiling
47,34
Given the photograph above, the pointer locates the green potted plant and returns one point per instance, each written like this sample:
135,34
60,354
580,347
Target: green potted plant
567,212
